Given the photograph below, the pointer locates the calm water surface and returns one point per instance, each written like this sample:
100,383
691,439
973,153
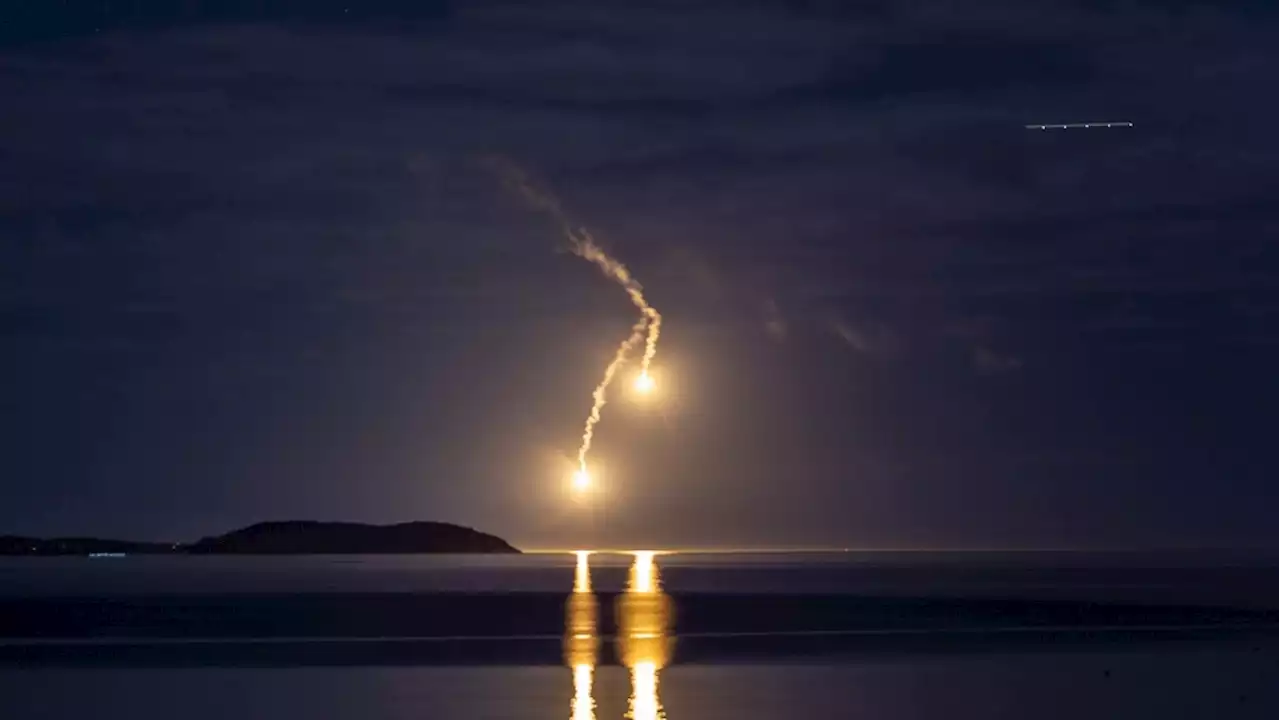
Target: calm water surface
1209,683
640,635
1151,576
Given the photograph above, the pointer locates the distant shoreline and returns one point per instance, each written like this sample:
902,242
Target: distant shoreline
293,537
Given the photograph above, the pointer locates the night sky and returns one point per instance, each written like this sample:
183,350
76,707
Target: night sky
251,267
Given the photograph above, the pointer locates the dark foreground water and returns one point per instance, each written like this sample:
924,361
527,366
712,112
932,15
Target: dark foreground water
1208,682
677,636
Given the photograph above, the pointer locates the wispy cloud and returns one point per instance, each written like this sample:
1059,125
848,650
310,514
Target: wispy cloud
990,362
774,324
867,339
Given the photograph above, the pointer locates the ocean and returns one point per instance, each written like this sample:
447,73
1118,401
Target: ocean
685,635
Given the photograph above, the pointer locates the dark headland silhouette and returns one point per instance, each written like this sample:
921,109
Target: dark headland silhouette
294,537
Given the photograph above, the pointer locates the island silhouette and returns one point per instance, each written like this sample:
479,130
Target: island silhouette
290,537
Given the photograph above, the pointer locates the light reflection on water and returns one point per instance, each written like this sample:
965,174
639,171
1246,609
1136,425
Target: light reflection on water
644,643
584,705
582,639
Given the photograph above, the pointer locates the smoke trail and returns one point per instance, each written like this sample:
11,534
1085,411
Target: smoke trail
648,328
584,246
599,397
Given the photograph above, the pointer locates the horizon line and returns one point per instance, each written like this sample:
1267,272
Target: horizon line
819,549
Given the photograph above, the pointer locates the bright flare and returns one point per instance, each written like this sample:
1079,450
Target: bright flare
647,329
581,480
644,383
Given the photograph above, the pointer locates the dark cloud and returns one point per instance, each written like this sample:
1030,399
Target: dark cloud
943,66
260,189
988,361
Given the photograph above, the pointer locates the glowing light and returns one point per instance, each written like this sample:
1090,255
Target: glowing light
647,329
644,576
581,642
644,383
582,573
644,692
583,706
582,480
644,617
